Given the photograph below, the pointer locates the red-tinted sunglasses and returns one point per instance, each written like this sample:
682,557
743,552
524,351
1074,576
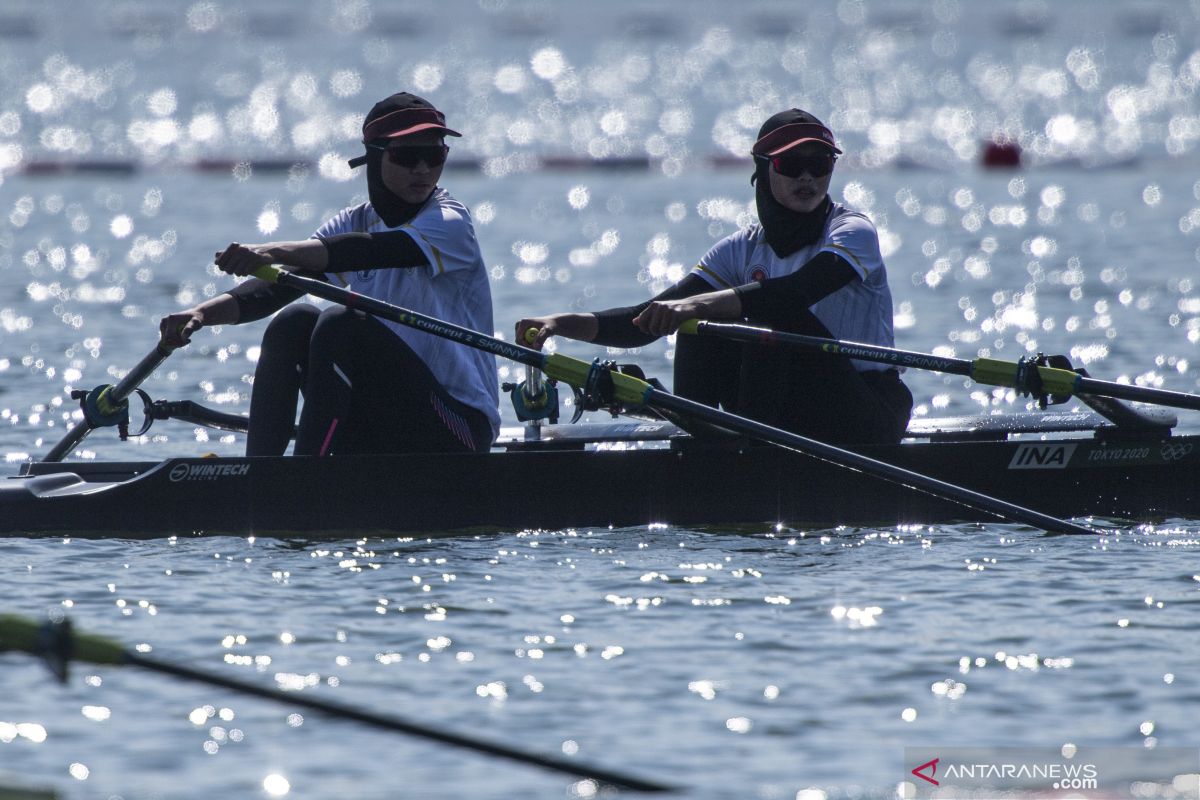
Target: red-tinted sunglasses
793,166
434,155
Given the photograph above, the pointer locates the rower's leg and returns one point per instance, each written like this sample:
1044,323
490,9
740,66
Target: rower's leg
278,379
330,381
819,395
368,392
706,370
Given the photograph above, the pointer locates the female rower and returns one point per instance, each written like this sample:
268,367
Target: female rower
809,266
370,386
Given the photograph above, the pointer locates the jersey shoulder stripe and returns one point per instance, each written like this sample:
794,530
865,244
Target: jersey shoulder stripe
848,255
713,276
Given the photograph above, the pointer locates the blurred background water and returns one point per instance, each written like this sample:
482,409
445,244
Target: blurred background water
604,153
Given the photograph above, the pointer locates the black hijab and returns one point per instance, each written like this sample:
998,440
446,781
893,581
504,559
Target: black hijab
390,207
788,231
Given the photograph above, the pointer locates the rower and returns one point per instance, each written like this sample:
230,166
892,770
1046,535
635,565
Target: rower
811,266
370,385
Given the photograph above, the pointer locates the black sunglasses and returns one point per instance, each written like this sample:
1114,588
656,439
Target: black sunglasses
793,166
434,155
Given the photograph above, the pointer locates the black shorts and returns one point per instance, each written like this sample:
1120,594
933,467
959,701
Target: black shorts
365,391
818,395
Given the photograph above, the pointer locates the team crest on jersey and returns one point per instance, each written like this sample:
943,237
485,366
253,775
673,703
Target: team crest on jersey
364,274
758,273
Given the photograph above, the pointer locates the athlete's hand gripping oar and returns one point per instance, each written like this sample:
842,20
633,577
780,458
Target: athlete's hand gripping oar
1024,376
106,404
628,390
58,645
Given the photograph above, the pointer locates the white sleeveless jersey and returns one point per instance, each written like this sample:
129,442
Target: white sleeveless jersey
453,287
860,311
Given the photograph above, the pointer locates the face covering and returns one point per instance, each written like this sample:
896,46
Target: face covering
387,204
787,231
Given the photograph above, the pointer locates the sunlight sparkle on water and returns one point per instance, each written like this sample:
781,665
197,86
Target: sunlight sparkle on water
26,730
276,785
510,79
427,77
548,63
739,724
121,226
585,789
579,197
858,617
268,221
949,688
96,713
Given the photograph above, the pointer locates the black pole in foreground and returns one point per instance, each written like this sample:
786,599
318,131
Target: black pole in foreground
58,644
398,725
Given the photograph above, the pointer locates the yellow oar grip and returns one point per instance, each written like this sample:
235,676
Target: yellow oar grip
268,273
1058,381
690,326
104,404
18,633
1004,373
530,335
572,371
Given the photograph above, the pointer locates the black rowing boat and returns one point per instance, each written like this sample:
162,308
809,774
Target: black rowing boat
1073,464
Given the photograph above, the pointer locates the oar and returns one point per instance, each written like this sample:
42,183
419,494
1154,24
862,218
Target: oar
103,405
629,390
990,371
57,643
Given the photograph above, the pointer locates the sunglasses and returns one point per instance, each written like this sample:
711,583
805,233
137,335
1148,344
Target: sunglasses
434,155
793,166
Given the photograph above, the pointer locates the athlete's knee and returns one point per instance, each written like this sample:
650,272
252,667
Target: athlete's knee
335,321
340,334
293,324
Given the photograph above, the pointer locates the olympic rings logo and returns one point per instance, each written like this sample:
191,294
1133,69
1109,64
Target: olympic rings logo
1174,452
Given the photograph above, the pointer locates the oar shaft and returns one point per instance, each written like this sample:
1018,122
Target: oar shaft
59,643
142,370
861,352
1140,394
113,396
989,371
403,316
398,725
73,437
850,459
557,366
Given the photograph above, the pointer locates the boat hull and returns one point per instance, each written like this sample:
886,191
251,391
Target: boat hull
689,484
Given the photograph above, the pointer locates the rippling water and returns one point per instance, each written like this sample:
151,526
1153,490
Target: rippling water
750,663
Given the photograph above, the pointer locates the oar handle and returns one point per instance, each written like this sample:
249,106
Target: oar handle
269,273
